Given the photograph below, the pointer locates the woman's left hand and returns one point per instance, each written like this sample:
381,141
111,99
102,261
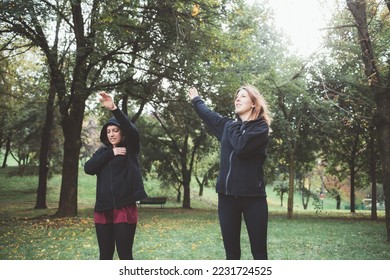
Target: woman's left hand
192,93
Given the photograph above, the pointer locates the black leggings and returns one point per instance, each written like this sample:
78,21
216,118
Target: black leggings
121,235
255,212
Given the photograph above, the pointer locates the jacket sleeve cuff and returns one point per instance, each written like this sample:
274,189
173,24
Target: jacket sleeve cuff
195,99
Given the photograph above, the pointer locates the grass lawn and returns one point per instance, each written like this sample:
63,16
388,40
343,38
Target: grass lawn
173,233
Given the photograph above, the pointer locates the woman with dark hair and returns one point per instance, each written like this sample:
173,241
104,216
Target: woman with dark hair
119,184
240,183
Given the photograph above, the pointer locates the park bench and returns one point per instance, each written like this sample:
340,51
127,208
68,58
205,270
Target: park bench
154,200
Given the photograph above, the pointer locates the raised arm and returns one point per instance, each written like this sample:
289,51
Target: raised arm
127,127
214,121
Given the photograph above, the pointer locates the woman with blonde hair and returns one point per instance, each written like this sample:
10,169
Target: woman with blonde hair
240,183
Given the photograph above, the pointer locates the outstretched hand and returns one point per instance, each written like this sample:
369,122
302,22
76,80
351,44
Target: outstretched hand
192,93
107,101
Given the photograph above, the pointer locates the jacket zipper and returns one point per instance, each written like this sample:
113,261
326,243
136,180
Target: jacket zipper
111,188
228,175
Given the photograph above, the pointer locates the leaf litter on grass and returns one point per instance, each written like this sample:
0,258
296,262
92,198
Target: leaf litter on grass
54,238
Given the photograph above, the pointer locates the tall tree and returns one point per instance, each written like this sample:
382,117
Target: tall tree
342,83
233,32
74,36
5,106
297,116
44,150
172,147
377,70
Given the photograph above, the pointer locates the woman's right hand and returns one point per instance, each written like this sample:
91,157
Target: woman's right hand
119,151
107,101
192,93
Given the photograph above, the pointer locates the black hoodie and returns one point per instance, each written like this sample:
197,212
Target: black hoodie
119,179
243,151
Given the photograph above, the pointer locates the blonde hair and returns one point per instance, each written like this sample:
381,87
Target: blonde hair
261,106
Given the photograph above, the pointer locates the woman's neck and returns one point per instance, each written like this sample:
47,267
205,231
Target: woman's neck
245,117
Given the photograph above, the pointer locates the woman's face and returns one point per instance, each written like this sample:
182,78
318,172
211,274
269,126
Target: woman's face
114,135
243,103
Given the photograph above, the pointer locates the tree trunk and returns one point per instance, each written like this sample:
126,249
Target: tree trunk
187,197
7,151
178,196
373,159
200,184
352,166
68,196
186,187
305,193
383,125
338,202
45,150
201,190
71,126
290,200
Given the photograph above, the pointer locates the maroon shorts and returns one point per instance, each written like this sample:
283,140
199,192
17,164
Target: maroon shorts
127,214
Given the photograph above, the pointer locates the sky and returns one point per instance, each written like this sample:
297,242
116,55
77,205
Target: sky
302,20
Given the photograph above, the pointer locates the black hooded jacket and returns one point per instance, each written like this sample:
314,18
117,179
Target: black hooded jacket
119,179
243,151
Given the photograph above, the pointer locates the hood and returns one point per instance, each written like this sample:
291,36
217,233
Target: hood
103,132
